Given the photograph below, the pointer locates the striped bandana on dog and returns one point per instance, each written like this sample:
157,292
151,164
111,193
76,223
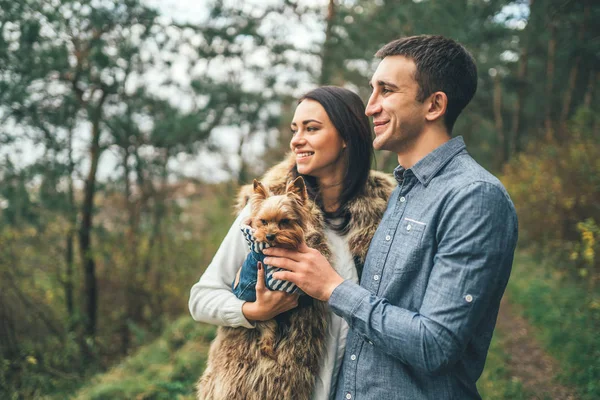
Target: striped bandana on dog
257,247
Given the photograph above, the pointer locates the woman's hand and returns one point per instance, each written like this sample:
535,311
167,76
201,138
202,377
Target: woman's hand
269,303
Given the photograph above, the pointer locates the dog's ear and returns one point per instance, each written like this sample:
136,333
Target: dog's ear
260,190
298,188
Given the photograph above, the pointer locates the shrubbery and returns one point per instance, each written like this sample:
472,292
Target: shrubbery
556,189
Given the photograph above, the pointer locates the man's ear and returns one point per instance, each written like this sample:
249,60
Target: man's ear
297,188
260,191
438,104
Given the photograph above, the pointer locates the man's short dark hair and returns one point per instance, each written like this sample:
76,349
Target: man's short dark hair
442,65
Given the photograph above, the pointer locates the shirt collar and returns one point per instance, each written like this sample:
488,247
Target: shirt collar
430,165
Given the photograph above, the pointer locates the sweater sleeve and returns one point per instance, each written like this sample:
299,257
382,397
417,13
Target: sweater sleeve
211,298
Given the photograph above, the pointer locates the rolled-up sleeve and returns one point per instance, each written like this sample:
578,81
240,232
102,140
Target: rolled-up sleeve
211,298
476,235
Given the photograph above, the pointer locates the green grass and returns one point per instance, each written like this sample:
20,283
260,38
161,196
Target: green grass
567,317
168,368
495,382
163,370
565,314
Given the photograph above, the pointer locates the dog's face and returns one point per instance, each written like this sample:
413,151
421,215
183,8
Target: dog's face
280,220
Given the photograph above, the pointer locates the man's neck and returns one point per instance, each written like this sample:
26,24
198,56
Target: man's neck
423,145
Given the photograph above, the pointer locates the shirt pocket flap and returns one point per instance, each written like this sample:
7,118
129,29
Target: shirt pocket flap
412,231
409,235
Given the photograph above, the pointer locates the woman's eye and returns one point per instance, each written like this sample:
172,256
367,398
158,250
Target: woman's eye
293,131
312,129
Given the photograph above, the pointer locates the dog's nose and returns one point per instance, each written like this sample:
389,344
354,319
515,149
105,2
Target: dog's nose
270,236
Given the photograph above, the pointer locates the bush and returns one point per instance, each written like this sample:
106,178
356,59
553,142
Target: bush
555,188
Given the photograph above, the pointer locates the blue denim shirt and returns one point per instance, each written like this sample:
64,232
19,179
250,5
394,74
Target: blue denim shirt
422,318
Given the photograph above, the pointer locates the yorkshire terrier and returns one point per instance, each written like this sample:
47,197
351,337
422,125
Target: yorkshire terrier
275,221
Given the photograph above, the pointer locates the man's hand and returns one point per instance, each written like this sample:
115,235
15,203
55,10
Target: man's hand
269,303
307,268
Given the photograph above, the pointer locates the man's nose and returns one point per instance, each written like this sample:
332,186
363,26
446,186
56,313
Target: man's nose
373,106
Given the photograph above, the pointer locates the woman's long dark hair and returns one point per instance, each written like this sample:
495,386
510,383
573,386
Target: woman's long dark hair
346,111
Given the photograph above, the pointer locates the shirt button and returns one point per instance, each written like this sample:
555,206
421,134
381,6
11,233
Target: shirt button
353,357
388,237
376,277
469,298
371,343
348,396
402,199
408,227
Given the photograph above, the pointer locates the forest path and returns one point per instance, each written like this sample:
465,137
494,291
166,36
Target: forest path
528,361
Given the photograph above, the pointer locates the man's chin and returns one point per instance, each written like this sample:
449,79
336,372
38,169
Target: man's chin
379,143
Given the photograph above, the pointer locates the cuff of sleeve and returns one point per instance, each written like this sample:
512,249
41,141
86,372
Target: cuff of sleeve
346,298
235,316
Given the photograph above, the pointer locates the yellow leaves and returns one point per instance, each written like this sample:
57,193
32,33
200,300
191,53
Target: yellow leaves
31,360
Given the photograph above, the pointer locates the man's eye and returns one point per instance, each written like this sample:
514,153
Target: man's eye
385,90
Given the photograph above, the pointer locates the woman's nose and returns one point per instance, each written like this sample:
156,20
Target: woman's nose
297,140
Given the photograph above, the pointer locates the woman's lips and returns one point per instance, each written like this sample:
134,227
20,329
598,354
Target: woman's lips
304,155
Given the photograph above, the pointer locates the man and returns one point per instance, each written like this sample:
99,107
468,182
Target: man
422,318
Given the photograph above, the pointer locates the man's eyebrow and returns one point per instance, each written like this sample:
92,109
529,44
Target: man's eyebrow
307,121
384,83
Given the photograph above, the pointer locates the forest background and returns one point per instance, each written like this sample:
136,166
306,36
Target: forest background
127,126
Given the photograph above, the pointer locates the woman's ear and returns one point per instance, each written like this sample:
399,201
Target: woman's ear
438,103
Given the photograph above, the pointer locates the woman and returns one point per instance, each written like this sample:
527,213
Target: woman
332,150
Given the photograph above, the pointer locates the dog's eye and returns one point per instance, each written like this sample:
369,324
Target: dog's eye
263,221
284,221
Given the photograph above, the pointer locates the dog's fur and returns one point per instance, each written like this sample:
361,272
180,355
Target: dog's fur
279,220
237,368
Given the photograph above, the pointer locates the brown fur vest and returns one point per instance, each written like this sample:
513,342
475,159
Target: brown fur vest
236,368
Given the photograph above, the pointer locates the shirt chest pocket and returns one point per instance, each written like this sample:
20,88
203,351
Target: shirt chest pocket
408,246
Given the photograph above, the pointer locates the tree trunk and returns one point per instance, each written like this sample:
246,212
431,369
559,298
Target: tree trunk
550,64
517,139
574,73
589,93
131,253
327,56
503,153
69,256
85,230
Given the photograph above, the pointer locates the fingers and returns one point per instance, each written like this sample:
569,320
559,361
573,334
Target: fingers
303,248
285,276
260,277
284,263
284,253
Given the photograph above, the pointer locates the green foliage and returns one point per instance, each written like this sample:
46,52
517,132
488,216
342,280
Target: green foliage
555,188
566,315
496,382
166,369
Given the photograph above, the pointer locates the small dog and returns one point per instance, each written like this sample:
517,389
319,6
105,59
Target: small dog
279,359
276,220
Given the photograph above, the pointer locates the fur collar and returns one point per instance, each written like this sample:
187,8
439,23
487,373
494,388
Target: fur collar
366,209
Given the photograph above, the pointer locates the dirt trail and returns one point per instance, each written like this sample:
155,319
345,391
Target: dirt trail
528,361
